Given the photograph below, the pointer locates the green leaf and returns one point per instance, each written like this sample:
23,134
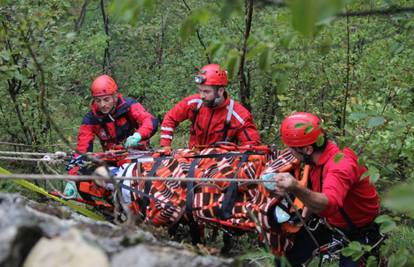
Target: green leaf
371,262
338,157
383,218
306,15
388,226
372,173
401,198
231,7
299,125
265,58
233,63
375,122
214,48
320,140
5,55
71,35
308,129
357,116
193,21
399,259
258,49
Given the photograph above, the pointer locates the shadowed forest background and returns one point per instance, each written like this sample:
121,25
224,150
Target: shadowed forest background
350,62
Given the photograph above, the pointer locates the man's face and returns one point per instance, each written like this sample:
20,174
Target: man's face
303,154
208,94
105,103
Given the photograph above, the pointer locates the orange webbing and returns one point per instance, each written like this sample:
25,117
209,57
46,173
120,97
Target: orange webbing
302,182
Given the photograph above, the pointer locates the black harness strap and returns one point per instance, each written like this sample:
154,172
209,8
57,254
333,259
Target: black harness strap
148,184
231,193
190,185
226,122
194,231
194,118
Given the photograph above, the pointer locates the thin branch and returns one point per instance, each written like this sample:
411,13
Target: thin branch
43,93
244,89
200,39
81,18
347,81
378,12
106,64
363,13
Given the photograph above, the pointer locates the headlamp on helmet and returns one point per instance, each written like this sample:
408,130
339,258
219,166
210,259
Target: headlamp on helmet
199,79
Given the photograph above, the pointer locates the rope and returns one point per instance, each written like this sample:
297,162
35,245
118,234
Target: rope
55,154
32,159
96,177
26,145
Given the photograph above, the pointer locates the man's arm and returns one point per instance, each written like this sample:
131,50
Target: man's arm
248,133
172,118
286,183
85,136
148,124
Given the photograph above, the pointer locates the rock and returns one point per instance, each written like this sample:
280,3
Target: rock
35,234
17,232
65,251
16,243
159,256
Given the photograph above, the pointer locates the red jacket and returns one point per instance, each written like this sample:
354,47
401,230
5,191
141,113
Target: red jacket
208,124
343,186
129,116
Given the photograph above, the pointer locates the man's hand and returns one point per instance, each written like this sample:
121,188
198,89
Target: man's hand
269,177
285,183
133,140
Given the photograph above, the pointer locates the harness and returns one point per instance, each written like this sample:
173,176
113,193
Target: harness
121,113
340,238
226,128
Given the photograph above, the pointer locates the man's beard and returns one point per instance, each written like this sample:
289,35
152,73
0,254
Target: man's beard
212,103
307,159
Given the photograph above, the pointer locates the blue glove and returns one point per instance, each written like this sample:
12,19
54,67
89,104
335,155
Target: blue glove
280,215
269,177
133,140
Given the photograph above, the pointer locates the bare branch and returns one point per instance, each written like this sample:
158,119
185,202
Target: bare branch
81,18
200,39
106,64
378,12
43,93
244,88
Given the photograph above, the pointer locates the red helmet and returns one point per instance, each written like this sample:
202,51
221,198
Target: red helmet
103,85
300,129
212,74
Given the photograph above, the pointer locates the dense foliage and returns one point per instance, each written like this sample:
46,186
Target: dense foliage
351,62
